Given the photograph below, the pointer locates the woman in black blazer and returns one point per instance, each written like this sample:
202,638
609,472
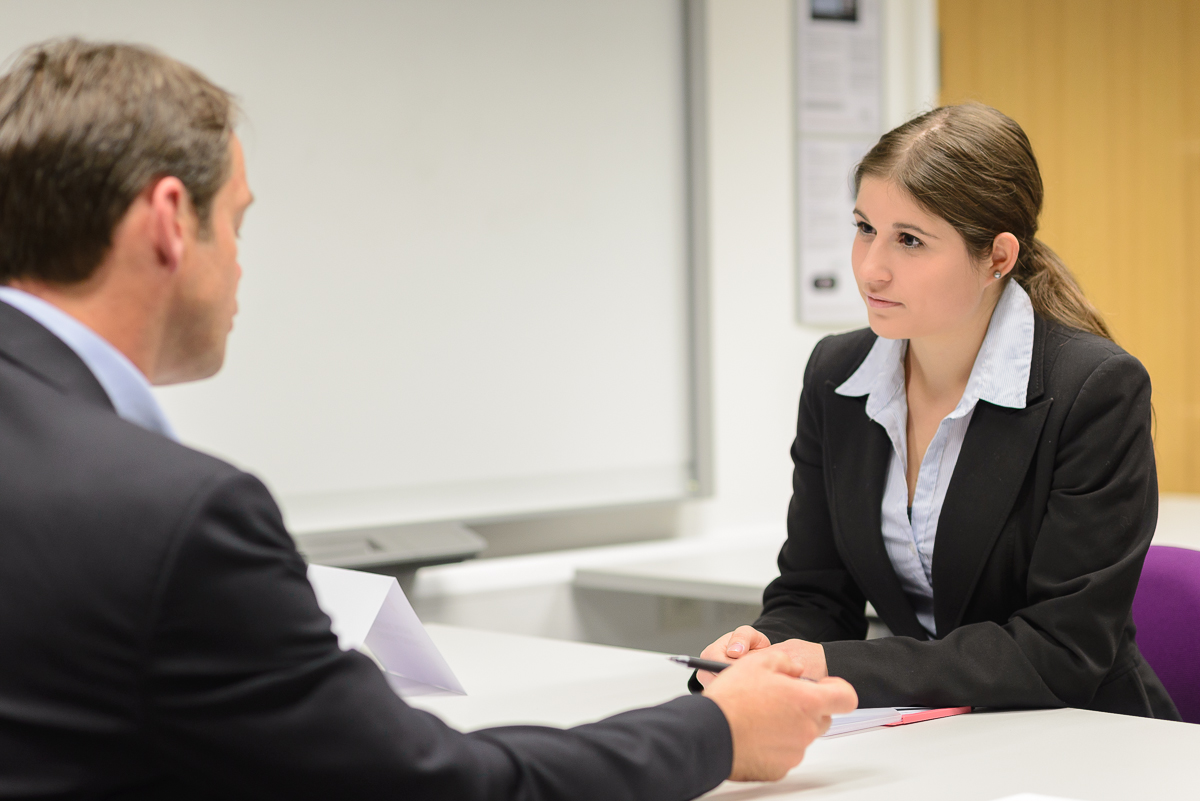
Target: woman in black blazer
989,392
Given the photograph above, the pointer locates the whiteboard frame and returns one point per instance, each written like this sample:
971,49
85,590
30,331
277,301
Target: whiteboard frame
699,278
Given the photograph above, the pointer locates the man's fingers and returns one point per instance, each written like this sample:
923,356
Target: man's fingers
777,661
839,695
772,716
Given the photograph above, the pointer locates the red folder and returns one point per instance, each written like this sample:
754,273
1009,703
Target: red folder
918,714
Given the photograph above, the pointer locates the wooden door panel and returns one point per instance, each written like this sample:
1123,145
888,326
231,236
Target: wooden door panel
1109,93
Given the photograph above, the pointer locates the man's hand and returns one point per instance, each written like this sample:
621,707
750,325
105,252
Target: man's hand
733,645
772,715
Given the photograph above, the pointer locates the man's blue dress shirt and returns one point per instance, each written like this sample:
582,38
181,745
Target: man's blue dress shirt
124,384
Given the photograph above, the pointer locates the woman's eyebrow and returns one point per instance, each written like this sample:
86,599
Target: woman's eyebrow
911,227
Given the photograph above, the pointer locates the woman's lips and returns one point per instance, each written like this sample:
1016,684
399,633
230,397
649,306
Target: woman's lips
881,303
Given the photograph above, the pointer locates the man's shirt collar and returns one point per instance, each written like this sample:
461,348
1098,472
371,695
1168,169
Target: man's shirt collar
124,384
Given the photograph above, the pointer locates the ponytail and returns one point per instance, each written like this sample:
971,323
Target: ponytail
1054,292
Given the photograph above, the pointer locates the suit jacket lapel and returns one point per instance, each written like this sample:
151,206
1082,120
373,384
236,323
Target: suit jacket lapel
858,452
995,456
26,343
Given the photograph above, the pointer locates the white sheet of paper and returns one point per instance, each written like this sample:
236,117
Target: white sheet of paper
860,719
370,612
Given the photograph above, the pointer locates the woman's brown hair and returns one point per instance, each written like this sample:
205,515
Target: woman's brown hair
974,167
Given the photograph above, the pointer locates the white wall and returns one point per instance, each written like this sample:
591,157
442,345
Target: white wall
758,357
911,63
465,288
758,351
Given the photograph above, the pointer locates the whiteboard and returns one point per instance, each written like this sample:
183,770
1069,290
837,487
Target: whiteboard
465,288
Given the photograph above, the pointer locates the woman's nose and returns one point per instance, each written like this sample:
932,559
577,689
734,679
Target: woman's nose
872,267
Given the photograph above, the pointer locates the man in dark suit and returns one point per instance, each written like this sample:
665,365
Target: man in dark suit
158,635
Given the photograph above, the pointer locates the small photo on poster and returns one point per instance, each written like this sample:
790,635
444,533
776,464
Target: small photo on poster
836,10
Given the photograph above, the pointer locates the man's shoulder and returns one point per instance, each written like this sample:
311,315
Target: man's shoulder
72,457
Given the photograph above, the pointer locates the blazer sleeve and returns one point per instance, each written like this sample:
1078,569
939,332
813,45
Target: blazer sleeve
814,597
247,693
1083,572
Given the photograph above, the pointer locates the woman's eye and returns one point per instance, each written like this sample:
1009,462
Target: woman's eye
909,241
864,228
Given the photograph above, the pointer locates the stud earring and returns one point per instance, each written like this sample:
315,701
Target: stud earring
996,275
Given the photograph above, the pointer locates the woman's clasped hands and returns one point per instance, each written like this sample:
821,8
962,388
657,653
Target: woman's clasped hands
744,639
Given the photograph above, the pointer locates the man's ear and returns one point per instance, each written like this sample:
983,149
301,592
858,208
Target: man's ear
170,212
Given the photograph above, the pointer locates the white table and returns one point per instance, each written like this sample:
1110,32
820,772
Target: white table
737,572
1074,754
1068,753
510,678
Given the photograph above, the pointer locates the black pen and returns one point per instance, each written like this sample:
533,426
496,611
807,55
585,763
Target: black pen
711,666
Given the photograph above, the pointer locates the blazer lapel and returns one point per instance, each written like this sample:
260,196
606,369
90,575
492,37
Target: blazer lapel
858,452
995,456
26,343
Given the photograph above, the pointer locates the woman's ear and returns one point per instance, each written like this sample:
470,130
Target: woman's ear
1005,249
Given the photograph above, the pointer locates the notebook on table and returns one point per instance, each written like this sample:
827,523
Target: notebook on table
873,717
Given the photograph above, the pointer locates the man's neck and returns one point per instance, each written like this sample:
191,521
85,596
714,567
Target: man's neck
121,317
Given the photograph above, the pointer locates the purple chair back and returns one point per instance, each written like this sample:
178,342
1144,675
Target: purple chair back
1166,611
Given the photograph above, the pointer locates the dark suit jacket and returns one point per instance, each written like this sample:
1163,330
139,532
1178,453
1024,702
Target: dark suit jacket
159,639
1038,550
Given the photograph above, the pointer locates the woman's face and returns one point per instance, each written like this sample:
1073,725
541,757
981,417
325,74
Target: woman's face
912,268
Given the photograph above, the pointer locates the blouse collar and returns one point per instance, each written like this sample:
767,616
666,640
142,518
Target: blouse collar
999,376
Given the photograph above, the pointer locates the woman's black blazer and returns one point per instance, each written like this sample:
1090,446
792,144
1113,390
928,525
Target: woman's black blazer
1038,549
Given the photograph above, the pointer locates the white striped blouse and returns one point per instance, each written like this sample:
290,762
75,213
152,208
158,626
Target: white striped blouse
1000,376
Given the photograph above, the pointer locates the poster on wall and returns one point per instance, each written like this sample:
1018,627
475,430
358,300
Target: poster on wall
839,106
839,50
826,230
